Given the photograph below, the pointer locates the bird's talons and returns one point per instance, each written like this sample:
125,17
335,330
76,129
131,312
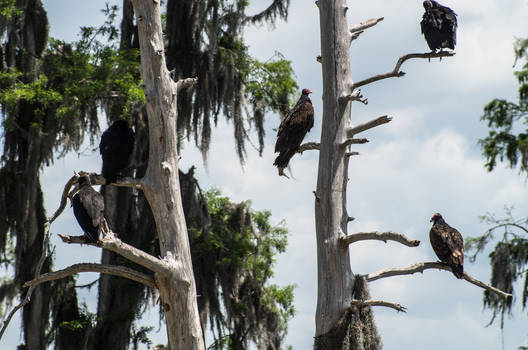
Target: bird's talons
281,173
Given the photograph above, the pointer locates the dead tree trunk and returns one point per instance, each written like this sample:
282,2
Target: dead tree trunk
161,185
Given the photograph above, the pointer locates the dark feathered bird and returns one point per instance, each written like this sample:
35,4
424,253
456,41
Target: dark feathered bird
448,245
292,130
88,208
439,24
116,146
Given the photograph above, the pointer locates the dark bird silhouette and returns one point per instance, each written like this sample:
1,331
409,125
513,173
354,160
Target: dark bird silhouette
292,130
439,24
88,208
448,245
116,146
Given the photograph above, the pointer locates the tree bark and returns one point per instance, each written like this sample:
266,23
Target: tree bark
335,278
161,184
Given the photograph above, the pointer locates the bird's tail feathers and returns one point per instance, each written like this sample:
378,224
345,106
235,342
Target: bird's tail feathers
283,158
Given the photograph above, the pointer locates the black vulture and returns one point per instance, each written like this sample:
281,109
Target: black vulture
116,146
448,245
292,130
439,25
88,208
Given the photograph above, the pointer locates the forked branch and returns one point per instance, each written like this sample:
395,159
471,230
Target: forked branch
350,132
420,267
396,72
354,96
358,29
380,236
114,270
365,303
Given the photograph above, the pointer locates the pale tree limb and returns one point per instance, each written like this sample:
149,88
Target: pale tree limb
420,267
365,25
349,142
350,132
380,236
308,146
185,83
114,244
366,303
354,96
358,29
396,71
349,154
114,270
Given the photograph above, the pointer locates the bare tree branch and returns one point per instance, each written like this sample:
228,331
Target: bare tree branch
308,146
114,270
380,236
420,267
349,154
185,83
396,71
350,132
365,303
114,244
354,96
365,25
349,142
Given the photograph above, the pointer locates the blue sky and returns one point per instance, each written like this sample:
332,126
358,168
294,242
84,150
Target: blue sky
426,160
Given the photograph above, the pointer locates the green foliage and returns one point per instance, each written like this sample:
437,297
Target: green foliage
508,259
8,10
503,118
233,260
86,320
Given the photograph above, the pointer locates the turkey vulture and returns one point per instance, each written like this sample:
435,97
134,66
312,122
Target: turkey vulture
116,147
448,245
439,24
292,130
88,208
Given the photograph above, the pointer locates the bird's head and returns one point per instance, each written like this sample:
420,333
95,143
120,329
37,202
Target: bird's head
306,91
428,4
435,217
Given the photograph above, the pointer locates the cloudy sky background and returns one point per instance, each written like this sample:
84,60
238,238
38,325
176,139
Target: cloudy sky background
426,160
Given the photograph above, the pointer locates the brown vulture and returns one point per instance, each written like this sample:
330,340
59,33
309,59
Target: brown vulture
448,245
88,208
292,130
439,24
116,146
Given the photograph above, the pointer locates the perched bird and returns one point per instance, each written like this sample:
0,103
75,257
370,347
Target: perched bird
448,245
88,208
292,130
439,24
116,146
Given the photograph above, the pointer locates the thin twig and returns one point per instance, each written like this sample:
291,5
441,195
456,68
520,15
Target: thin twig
365,303
420,267
114,270
396,71
380,236
350,132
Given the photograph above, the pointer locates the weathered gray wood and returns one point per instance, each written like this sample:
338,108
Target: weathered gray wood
335,278
161,184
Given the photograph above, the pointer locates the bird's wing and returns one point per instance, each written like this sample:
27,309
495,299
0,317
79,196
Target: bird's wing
106,140
299,121
456,245
93,202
